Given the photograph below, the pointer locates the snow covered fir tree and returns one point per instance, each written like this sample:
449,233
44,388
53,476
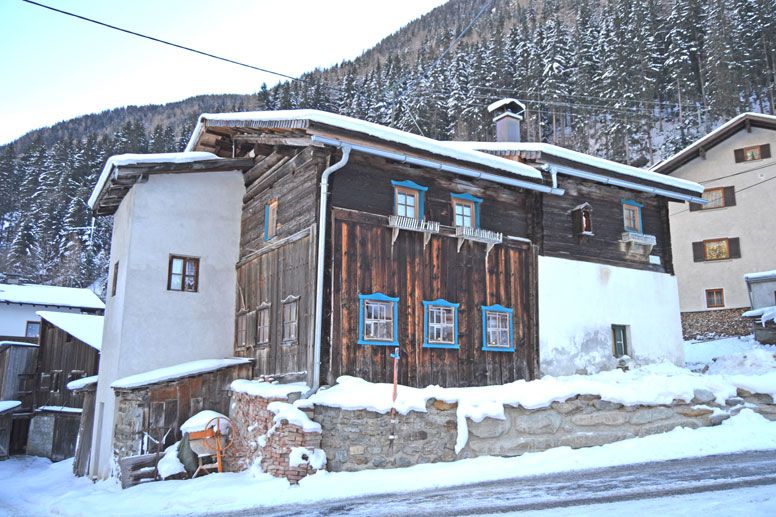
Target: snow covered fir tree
632,81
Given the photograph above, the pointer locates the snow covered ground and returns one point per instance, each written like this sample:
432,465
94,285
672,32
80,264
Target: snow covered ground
35,486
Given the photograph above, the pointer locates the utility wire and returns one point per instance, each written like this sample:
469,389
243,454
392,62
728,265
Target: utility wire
176,45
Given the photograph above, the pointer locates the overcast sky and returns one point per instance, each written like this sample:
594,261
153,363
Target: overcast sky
55,67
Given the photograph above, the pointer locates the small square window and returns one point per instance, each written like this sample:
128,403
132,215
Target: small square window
407,202
497,329
378,320
440,324
752,153
33,329
270,219
290,319
464,213
631,215
715,197
715,298
620,340
183,274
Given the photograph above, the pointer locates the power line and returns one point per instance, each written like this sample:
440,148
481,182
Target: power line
176,45
737,191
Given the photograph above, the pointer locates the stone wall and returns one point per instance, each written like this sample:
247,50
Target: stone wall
283,449
712,324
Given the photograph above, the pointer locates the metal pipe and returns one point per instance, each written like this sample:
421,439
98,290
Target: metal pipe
323,211
462,171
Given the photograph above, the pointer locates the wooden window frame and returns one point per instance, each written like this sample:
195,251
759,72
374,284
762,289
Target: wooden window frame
428,307
625,342
409,188
472,216
115,279
706,249
488,310
392,305
245,336
470,201
289,301
27,328
264,308
183,274
407,192
271,219
582,220
713,292
629,205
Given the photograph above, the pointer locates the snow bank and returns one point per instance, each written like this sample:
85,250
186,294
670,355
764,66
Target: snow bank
268,390
82,383
200,421
124,160
170,464
50,295
86,327
176,372
285,411
316,458
7,405
765,314
254,119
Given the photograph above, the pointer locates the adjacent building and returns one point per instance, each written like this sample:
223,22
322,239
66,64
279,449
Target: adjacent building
715,245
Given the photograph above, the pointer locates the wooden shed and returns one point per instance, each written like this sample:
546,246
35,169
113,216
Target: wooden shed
17,378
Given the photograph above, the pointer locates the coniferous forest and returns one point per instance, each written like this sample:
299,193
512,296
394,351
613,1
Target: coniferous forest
628,80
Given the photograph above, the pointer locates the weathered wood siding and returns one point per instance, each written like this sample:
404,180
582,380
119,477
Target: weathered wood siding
559,238
272,270
61,359
364,262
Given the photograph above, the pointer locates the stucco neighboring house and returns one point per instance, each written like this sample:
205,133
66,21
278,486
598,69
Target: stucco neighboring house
714,246
20,302
170,299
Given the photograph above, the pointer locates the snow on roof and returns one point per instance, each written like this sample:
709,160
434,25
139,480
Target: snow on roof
586,159
503,102
33,294
388,134
60,409
124,160
724,127
17,343
86,327
7,405
760,276
268,390
176,372
80,384
764,313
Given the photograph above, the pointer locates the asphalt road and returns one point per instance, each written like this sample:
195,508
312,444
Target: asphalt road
629,482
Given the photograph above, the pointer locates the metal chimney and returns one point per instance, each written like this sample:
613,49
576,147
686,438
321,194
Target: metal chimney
507,114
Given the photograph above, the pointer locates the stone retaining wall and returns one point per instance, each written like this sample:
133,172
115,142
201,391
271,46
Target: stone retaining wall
711,324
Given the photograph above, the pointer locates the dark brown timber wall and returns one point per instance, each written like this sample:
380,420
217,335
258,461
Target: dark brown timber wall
364,262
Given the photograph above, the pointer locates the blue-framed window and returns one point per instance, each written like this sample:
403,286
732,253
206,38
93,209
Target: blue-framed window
440,324
466,210
408,199
270,219
378,320
497,333
631,216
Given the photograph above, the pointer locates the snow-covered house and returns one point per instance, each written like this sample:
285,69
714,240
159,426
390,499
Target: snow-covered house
333,242
20,302
715,245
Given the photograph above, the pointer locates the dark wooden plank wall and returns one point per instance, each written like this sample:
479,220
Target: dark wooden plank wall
56,353
364,262
560,240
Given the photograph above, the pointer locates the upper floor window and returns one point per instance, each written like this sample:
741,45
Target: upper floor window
262,324
752,153
497,329
440,324
408,199
183,274
290,319
582,219
246,321
716,249
270,219
631,216
715,298
717,197
33,329
466,210
378,320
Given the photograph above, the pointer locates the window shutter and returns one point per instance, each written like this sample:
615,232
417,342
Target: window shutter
734,245
730,196
765,151
697,252
695,207
739,154
576,221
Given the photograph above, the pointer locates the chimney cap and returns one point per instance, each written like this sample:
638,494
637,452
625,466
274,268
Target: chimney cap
507,105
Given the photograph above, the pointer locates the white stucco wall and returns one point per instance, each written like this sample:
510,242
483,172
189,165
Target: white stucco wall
147,326
580,301
14,317
751,220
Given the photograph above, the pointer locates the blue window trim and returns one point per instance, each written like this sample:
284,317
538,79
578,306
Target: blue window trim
380,297
641,219
420,189
497,308
266,222
476,200
439,302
